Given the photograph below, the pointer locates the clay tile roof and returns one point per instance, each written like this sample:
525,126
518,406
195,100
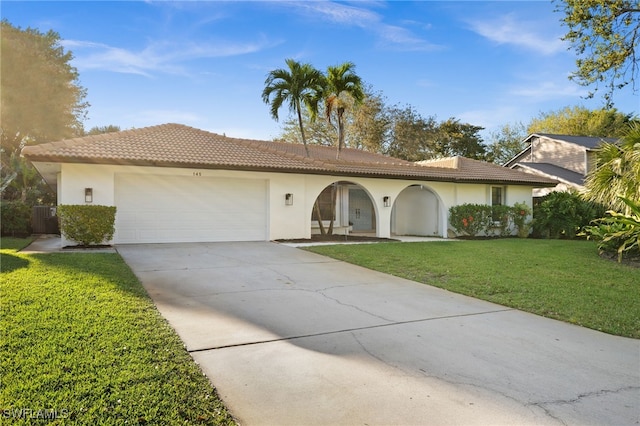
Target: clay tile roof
176,145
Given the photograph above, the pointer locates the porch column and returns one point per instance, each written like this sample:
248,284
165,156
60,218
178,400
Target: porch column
383,227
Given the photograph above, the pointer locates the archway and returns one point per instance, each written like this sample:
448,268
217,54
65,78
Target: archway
354,212
417,211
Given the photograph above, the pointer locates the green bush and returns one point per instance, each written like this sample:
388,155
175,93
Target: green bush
15,218
563,215
520,213
470,219
87,224
501,221
619,233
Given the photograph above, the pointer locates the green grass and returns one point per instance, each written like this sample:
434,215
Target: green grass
81,338
560,279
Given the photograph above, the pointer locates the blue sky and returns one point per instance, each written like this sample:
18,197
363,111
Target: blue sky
203,64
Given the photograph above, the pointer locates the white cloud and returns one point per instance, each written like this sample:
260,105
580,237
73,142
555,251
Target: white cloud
163,57
390,36
525,33
547,90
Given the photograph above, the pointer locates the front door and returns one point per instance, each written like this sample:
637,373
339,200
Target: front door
361,213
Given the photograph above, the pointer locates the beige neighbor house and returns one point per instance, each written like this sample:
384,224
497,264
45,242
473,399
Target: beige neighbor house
173,183
564,158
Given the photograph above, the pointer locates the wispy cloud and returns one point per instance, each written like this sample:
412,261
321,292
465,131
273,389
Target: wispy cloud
510,30
158,57
390,36
547,90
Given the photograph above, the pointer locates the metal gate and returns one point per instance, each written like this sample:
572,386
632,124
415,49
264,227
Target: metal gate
44,220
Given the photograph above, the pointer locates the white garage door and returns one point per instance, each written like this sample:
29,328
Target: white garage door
159,209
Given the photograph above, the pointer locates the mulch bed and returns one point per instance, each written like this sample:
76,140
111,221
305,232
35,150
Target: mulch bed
337,239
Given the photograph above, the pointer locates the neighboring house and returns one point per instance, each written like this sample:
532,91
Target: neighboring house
173,183
564,158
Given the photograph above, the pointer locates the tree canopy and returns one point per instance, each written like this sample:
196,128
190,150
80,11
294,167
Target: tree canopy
42,99
580,121
605,35
299,85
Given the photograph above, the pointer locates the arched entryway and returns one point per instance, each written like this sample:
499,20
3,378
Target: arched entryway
354,210
417,211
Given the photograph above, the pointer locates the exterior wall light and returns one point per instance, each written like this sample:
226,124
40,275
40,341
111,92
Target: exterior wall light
387,201
288,199
88,195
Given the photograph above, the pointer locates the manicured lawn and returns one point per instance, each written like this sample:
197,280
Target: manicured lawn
81,339
565,280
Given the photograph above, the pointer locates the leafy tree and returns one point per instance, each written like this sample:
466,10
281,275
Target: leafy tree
617,174
42,99
605,35
462,139
580,121
343,89
411,135
368,124
506,143
300,84
99,130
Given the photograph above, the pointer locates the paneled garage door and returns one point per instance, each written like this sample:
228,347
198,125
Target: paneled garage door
159,209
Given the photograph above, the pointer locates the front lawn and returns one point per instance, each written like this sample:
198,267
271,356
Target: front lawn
82,343
560,279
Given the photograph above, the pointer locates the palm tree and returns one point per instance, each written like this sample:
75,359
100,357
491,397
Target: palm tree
343,88
300,85
617,173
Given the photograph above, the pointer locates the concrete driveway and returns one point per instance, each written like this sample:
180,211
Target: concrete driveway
291,337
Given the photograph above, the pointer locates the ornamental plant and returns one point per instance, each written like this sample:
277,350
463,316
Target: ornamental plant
470,219
619,232
520,213
87,224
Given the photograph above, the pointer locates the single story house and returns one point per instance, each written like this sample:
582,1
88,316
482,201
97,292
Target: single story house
174,183
565,158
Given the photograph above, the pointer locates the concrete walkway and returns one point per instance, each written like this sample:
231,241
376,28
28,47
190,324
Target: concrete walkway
293,338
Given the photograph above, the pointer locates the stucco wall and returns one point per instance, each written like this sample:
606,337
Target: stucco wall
288,221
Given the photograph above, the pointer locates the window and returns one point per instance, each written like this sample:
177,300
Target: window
497,196
497,199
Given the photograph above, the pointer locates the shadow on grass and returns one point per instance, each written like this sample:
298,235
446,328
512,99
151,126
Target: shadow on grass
9,262
108,266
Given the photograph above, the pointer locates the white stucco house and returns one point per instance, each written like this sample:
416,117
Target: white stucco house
174,183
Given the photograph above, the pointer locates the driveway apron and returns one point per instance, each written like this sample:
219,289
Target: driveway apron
289,337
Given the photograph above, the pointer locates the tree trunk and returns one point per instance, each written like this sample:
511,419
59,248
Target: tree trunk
340,132
334,216
304,139
316,206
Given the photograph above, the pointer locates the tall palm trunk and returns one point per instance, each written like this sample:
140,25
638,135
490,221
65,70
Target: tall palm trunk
304,138
340,132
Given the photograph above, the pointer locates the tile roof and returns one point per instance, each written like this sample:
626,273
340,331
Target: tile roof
555,172
588,142
176,145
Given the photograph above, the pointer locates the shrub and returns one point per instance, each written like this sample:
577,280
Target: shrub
15,218
501,221
563,214
87,224
470,219
520,213
619,232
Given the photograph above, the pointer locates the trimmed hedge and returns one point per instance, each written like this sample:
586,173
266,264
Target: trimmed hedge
484,220
15,218
87,224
